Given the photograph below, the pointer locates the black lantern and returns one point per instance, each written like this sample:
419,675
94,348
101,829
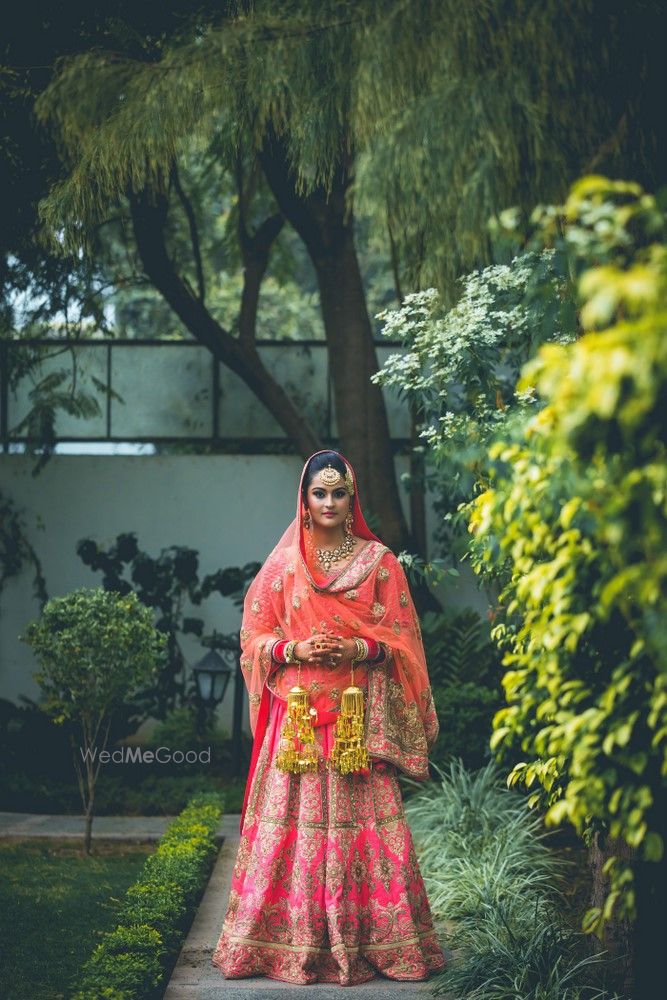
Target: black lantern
212,677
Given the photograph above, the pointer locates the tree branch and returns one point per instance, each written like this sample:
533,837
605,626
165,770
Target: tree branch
255,250
394,259
194,232
149,215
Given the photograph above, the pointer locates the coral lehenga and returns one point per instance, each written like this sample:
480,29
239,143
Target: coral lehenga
326,885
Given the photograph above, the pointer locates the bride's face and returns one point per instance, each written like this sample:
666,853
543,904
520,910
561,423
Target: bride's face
328,505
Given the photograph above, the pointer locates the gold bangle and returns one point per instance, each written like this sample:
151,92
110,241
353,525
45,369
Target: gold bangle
290,656
362,650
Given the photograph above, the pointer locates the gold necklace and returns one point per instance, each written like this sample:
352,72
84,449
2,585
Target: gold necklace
328,557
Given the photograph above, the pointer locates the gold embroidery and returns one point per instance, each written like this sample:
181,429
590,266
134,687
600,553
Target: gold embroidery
244,635
255,607
277,584
351,594
396,627
246,664
279,632
337,618
254,699
378,610
289,569
383,573
403,599
296,601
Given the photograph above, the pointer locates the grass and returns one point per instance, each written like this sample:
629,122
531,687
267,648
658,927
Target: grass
53,904
502,893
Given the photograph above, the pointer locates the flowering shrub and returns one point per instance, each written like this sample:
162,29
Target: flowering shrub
544,393
461,366
575,525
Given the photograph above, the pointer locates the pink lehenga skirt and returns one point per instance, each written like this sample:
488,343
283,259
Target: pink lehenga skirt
326,885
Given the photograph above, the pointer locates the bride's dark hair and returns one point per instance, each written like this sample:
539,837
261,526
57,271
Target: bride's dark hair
316,464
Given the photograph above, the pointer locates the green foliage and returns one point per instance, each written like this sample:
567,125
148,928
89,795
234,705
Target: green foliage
56,902
574,525
461,366
458,647
164,583
488,870
128,959
135,957
94,647
465,711
464,668
330,78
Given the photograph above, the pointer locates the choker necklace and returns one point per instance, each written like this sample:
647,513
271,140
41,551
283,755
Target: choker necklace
327,557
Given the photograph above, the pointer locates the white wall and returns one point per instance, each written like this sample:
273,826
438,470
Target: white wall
230,508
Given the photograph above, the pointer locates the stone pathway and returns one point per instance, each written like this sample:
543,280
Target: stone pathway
194,976
104,827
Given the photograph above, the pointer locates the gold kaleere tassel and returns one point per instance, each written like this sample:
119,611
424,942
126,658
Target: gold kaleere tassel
349,751
297,751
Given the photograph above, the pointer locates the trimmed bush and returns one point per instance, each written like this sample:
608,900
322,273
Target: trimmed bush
132,961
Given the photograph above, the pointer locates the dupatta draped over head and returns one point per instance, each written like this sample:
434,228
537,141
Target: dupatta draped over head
369,598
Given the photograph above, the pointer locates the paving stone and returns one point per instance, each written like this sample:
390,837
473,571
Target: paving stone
104,827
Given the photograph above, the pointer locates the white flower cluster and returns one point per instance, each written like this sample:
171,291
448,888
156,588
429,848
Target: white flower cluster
459,362
447,347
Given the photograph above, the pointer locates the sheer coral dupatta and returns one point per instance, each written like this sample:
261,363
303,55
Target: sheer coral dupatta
281,603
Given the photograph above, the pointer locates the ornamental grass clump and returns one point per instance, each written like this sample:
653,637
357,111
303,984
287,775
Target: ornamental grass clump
489,871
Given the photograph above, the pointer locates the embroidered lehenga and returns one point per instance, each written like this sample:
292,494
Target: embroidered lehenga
326,885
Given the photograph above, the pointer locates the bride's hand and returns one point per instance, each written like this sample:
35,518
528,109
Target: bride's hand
323,648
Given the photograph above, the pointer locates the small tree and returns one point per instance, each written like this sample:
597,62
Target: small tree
94,647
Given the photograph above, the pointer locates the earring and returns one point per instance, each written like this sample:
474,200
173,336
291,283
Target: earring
349,518
307,523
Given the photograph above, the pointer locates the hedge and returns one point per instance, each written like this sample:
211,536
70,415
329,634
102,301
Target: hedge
132,961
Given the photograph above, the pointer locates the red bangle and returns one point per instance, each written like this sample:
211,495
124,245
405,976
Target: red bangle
376,651
278,651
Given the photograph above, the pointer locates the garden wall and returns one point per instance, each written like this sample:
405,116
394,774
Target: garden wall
231,508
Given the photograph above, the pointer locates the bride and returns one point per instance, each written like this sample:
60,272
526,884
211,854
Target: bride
326,885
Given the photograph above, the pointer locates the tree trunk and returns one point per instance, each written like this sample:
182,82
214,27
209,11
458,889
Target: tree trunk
90,783
617,939
651,895
325,223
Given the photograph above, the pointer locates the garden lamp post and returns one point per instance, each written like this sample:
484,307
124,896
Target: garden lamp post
212,674
211,677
